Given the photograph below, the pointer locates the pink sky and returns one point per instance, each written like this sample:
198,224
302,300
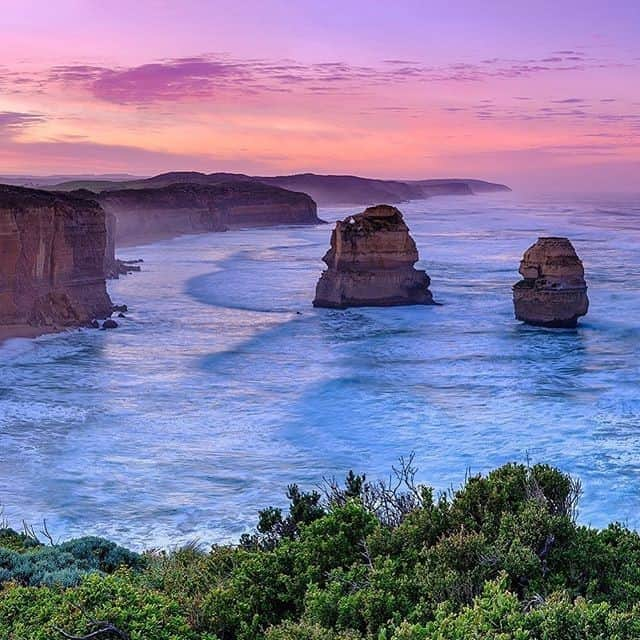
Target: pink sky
543,94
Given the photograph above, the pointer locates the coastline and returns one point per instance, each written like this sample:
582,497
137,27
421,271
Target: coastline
197,329
11,331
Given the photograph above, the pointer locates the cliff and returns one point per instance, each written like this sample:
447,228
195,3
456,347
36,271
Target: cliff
553,291
333,190
52,249
145,215
370,263
457,186
326,190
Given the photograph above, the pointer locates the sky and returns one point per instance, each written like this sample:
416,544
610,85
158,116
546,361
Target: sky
534,94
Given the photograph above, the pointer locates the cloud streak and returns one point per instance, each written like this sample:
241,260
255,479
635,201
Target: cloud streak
11,122
208,76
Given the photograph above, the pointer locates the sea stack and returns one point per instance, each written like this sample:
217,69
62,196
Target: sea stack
553,291
370,263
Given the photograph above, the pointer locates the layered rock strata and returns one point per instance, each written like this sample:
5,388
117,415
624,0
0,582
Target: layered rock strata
370,263
145,215
553,291
52,252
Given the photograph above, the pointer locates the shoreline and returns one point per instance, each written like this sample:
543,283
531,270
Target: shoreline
13,331
136,241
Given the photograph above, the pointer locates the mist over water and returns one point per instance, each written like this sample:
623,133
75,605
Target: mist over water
224,385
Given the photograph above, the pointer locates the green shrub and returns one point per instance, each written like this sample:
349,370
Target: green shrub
37,613
502,558
10,539
64,564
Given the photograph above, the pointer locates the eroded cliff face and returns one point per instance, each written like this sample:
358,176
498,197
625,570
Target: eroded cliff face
553,291
52,252
145,215
370,263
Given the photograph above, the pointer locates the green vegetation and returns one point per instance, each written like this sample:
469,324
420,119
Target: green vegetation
502,558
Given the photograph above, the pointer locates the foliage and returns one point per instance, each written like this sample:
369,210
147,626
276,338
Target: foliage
29,563
10,539
501,558
39,613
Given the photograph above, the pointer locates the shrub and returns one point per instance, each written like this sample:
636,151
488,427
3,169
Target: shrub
39,613
64,564
502,558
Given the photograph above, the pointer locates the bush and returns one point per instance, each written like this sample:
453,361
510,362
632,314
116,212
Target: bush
502,558
39,613
65,564
499,615
10,539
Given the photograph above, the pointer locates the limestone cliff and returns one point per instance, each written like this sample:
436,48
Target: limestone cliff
370,263
52,249
145,215
553,291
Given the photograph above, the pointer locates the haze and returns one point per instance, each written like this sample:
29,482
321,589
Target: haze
542,95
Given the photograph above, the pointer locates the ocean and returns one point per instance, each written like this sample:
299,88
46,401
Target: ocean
224,385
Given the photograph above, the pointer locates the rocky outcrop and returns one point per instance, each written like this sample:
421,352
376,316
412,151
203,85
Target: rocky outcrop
553,291
370,263
145,215
52,249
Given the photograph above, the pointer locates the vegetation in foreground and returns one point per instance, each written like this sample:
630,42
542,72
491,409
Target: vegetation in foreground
502,558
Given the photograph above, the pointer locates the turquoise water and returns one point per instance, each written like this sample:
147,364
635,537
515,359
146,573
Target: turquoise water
224,385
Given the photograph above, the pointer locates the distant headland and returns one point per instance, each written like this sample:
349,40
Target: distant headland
326,190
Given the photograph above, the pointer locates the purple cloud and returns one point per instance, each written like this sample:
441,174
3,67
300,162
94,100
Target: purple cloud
569,101
210,76
12,121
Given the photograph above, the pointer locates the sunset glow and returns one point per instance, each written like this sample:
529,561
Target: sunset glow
409,89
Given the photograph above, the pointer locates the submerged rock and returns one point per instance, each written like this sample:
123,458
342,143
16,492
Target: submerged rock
109,324
370,263
553,291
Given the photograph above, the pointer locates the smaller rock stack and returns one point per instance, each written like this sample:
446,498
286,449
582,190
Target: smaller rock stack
370,263
553,291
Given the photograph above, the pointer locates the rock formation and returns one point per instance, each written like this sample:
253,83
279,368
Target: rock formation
553,291
52,251
370,263
148,214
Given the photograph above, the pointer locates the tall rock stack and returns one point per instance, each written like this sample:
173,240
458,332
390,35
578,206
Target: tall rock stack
370,263
553,291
